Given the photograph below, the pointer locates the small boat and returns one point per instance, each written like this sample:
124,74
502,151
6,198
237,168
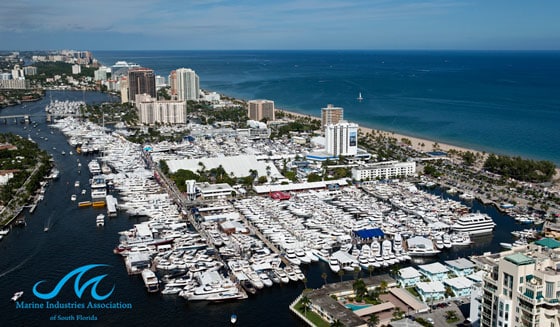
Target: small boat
360,98
46,229
233,318
17,295
73,197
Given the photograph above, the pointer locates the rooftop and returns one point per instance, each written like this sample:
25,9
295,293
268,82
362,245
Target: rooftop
520,259
460,263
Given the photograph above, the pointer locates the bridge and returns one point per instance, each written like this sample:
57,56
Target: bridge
25,117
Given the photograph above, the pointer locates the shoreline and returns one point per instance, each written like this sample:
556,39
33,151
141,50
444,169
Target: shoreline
416,143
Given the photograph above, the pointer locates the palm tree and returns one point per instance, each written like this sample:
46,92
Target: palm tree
357,271
383,286
341,273
373,320
324,276
398,313
370,268
305,302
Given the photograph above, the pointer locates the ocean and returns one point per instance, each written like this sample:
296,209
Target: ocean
500,102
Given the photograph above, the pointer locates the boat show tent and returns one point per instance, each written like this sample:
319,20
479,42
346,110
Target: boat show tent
367,234
548,242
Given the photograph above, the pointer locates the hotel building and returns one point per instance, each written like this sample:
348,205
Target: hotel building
331,115
341,139
260,109
383,170
141,81
522,286
151,111
187,84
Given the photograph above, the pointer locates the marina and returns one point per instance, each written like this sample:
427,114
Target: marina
254,252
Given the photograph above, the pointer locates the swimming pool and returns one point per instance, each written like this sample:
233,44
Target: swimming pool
355,307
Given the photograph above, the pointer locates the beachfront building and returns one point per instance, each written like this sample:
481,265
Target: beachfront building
123,84
522,287
172,78
215,191
76,69
100,74
141,80
260,109
383,170
461,266
434,271
461,286
152,111
408,276
331,115
341,139
431,291
187,84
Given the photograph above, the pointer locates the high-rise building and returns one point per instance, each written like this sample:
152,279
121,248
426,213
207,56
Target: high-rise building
331,115
260,109
187,84
341,139
123,83
151,111
76,69
17,72
141,81
522,286
173,83
30,70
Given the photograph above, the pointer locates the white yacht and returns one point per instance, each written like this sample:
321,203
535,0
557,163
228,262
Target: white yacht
150,280
333,264
474,223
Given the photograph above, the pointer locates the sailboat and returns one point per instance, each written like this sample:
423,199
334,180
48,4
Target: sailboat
360,98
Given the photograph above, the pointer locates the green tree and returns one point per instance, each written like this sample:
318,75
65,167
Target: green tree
341,274
373,320
324,276
305,303
337,323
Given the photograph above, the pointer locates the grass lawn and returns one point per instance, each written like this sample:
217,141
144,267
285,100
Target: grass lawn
312,316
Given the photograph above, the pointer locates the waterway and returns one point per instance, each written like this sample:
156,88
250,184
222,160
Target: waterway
29,255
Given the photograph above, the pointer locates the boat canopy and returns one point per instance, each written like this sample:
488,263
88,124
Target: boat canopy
369,233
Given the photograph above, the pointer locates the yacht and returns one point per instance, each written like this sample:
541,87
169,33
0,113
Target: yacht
17,295
150,280
474,223
100,220
333,264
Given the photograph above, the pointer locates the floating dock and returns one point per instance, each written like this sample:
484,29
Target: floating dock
98,204
84,204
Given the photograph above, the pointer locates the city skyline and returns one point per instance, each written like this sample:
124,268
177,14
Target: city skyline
308,24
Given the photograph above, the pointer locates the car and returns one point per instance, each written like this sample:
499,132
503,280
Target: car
430,320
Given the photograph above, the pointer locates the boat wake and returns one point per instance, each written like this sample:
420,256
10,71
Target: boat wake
10,270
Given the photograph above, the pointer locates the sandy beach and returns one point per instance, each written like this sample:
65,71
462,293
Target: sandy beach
416,142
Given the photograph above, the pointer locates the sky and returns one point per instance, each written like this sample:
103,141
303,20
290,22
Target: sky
279,24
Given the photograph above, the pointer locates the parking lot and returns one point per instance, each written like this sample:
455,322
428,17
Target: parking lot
437,315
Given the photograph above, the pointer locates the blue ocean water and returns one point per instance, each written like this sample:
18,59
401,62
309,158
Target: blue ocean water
501,102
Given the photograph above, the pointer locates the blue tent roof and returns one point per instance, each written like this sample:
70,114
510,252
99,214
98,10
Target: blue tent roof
369,233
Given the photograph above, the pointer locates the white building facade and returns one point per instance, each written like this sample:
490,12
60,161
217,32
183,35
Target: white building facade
187,84
151,111
341,139
383,170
